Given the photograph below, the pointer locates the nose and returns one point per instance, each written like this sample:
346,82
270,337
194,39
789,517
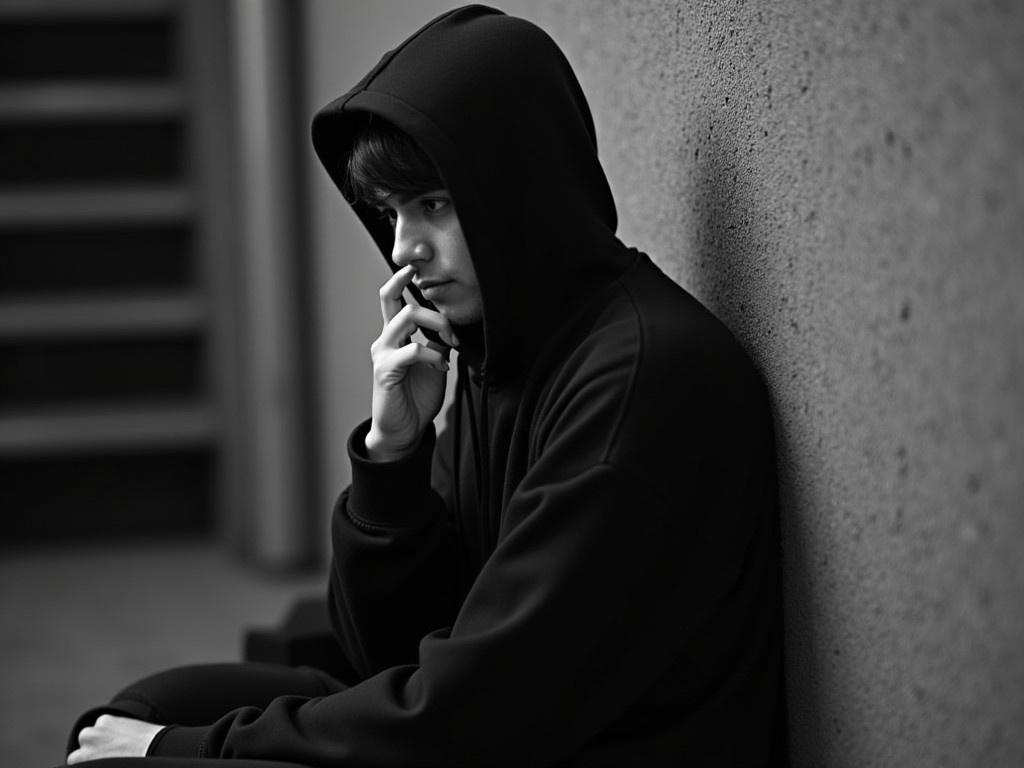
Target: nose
409,245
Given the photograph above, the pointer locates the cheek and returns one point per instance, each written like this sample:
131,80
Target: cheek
465,265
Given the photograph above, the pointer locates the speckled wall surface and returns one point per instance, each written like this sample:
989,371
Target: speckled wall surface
842,183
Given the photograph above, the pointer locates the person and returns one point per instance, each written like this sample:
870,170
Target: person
582,568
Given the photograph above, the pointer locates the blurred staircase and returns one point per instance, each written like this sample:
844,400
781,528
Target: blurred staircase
116,246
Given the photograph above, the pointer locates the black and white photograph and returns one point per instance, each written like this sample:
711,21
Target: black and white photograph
531,384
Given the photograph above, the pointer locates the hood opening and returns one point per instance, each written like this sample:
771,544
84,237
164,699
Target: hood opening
495,105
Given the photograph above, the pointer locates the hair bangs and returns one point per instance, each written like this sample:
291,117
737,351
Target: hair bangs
384,161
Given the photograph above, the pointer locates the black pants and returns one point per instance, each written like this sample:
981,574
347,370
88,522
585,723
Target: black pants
199,695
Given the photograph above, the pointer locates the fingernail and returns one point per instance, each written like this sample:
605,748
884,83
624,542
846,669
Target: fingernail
455,339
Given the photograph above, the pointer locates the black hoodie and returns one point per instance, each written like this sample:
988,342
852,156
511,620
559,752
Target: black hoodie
583,569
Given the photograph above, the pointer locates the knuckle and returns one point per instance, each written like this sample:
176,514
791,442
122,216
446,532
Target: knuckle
386,363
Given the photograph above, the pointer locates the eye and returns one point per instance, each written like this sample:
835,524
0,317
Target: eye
433,205
388,215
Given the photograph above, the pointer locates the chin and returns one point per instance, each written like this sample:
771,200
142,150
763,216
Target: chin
460,315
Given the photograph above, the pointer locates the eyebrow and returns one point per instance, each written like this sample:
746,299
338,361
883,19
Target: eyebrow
401,198
380,201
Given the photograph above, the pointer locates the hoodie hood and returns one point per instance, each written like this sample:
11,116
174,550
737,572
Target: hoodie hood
494,103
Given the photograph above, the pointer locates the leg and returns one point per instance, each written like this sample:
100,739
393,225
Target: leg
200,694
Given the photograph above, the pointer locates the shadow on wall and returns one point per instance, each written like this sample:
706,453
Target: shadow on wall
836,182
731,275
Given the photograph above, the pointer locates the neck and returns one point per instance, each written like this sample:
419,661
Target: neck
471,344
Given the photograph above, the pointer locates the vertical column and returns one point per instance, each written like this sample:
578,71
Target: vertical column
275,522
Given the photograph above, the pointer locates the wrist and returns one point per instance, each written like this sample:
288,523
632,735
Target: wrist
378,448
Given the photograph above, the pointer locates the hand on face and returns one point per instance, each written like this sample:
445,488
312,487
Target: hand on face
428,234
408,377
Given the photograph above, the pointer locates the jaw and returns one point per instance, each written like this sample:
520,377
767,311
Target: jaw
458,318
460,312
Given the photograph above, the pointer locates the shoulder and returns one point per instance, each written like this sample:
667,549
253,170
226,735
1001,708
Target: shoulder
683,340
651,368
646,325
644,355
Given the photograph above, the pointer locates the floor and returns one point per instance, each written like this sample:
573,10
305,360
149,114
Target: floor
76,624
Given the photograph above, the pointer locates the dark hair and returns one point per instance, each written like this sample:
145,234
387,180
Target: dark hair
385,160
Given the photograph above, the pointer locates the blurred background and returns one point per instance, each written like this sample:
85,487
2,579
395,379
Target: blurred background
186,307
155,280
172,418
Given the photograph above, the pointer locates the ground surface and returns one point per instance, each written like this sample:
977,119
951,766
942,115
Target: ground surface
76,624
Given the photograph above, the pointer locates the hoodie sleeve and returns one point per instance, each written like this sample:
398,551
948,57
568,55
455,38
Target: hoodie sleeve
599,581
392,570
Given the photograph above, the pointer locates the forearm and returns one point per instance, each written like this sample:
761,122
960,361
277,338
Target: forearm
393,569
550,645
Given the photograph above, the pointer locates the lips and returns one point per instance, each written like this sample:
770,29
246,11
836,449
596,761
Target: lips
428,287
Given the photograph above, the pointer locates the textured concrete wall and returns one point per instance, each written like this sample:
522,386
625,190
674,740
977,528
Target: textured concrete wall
842,183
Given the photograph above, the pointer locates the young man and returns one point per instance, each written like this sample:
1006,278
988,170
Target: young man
582,569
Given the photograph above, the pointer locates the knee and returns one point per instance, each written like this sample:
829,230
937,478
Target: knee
160,697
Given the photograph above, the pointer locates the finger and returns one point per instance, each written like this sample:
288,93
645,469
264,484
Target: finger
414,353
403,325
410,297
391,292
443,349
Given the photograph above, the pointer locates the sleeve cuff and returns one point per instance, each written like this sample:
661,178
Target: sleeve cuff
177,741
390,494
